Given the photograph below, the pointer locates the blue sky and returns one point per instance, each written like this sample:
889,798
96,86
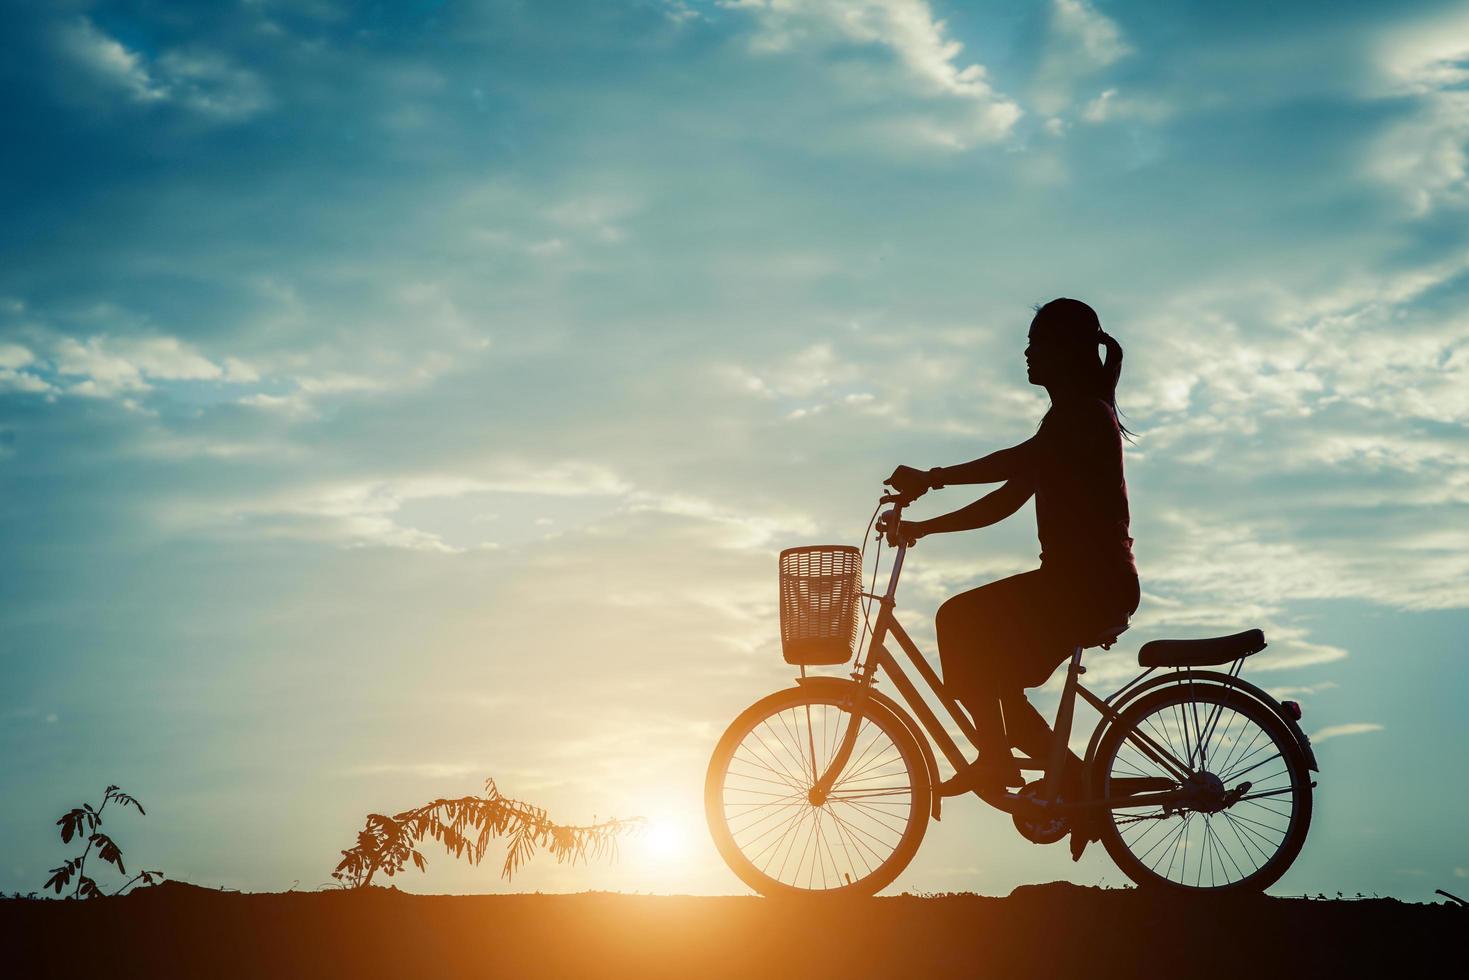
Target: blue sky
393,395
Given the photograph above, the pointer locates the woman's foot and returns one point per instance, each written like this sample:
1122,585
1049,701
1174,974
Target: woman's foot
987,775
1086,826
1085,822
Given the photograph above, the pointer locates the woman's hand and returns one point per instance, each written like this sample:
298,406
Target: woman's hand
907,531
909,482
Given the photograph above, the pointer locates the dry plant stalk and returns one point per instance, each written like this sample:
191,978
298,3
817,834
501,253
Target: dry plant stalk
465,826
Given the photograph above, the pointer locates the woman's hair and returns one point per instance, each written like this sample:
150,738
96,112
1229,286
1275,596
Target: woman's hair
1070,321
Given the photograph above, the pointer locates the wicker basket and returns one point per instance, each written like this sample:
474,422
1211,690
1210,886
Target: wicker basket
819,587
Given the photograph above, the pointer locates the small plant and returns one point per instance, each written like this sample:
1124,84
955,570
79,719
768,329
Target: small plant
465,827
82,823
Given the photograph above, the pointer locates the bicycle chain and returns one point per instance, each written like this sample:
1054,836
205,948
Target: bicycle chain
1156,816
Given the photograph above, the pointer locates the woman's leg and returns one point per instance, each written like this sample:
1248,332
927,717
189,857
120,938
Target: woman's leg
1031,733
984,636
1079,607
960,625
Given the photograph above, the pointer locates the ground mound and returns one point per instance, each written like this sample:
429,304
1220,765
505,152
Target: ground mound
1055,930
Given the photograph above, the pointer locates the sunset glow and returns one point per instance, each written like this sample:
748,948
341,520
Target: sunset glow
394,396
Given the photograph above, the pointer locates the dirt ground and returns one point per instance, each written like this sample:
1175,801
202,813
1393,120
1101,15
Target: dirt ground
1056,930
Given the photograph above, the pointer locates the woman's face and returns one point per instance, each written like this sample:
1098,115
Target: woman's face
1042,356
1052,358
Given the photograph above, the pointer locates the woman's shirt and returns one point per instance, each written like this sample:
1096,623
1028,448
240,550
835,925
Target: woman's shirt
1080,493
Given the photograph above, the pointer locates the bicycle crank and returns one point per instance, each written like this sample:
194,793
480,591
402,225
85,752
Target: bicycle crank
1038,823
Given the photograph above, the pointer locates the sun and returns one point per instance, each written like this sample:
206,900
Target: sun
664,838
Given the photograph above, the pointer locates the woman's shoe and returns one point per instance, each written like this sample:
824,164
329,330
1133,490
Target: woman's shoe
985,776
1085,828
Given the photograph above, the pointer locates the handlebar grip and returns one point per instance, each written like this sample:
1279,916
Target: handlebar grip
893,519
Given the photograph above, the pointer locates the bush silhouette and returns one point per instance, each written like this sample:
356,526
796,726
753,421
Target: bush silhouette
82,822
465,826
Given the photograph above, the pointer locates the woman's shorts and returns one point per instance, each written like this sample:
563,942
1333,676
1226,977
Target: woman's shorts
1016,631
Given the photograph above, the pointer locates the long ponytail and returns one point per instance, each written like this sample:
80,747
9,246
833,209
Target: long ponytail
1110,372
1077,324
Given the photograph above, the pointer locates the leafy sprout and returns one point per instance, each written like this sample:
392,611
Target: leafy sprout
465,826
81,823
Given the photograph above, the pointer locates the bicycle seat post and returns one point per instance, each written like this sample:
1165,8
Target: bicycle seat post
1056,764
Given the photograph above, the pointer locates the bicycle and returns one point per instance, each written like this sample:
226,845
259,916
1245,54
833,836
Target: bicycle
828,786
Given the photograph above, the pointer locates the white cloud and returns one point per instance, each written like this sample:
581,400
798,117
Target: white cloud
13,358
740,529
679,12
1081,43
965,109
1093,38
108,61
361,513
204,82
210,84
1110,106
549,246
1350,728
1282,692
105,367
420,770
1427,155
596,217
292,405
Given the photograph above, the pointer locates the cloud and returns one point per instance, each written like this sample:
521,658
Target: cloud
595,217
1082,42
958,108
437,771
368,512
212,85
104,367
109,62
742,529
13,358
204,82
1110,106
1427,155
1350,728
1282,692
680,12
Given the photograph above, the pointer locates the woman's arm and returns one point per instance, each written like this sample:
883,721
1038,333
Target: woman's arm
989,509
998,467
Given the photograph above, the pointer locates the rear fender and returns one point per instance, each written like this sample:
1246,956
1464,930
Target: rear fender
1217,679
853,690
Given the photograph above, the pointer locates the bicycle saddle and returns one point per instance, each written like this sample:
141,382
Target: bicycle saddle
1104,638
1201,653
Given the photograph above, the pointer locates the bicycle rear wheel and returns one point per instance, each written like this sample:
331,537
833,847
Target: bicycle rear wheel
775,836
1249,802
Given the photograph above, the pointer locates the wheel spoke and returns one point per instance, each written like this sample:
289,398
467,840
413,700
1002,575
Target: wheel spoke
1194,844
867,822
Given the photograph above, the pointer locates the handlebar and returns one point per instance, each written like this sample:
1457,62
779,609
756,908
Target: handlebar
895,516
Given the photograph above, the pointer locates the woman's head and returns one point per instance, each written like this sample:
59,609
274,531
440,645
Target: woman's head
1062,353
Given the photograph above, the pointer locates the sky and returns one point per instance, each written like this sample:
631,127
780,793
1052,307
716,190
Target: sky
395,395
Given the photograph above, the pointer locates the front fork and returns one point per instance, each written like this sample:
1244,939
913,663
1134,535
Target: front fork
826,780
821,789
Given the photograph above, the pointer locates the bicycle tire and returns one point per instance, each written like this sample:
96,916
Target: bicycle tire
908,760
1265,720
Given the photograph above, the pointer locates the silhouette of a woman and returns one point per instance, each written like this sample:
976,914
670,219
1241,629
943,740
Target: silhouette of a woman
998,639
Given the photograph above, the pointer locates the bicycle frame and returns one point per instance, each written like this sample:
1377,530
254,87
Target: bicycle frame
878,656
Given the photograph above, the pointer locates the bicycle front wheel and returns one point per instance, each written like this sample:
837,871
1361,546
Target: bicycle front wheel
1246,808
776,836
